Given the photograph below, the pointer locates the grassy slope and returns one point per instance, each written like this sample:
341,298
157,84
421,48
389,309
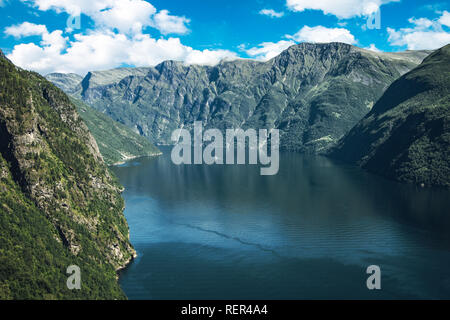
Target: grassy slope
407,134
116,142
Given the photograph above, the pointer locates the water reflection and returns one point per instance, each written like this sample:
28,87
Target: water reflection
310,231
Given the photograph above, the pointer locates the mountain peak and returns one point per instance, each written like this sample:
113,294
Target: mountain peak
321,46
322,51
169,64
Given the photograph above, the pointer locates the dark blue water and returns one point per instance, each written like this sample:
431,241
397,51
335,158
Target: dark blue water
225,232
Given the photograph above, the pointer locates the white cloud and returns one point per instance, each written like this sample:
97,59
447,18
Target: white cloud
55,42
342,9
318,34
128,16
166,23
271,13
268,50
117,39
372,47
101,50
445,19
424,34
72,7
321,34
208,57
416,40
26,29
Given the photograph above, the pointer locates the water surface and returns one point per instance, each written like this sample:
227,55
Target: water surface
310,232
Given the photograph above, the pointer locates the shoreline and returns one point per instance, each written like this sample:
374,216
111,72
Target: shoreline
123,161
126,263
134,255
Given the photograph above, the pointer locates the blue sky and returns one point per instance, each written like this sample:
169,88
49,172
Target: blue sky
112,33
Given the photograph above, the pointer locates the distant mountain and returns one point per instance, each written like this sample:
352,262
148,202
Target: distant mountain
59,204
117,143
314,93
68,82
406,136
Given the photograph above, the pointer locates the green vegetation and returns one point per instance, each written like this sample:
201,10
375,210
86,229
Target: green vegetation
116,142
407,134
59,204
33,261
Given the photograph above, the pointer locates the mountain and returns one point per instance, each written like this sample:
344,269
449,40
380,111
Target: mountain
67,82
406,136
59,204
117,143
313,93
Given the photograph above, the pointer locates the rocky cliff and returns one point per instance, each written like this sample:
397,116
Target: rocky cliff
59,204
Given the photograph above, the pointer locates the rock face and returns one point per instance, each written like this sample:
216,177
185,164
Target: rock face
59,204
68,82
314,93
406,136
117,143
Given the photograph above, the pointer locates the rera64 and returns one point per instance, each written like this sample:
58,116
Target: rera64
242,309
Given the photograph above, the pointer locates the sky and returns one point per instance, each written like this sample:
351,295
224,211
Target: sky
87,35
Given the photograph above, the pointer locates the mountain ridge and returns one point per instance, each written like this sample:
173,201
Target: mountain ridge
314,93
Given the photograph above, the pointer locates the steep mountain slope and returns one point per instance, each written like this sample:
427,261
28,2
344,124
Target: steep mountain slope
314,93
117,143
406,136
59,204
69,82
